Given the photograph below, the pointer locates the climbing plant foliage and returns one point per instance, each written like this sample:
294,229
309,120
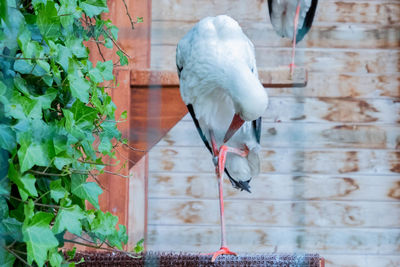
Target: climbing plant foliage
56,124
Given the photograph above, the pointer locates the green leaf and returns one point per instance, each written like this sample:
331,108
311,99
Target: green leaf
48,21
139,19
68,13
57,191
27,67
28,210
23,66
61,161
124,114
25,183
60,143
32,153
69,219
105,145
94,7
37,2
123,60
104,224
95,75
105,69
28,182
114,32
71,253
63,56
55,258
46,99
7,138
44,65
6,258
108,43
3,10
21,85
23,39
38,237
75,45
85,190
119,237
79,87
14,228
139,246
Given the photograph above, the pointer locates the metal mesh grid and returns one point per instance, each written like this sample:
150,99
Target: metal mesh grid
161,259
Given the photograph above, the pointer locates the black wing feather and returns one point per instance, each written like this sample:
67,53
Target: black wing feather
199,130
257,129
270,7
308,20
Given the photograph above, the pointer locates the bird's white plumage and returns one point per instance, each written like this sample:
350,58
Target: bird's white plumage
219,78
283,13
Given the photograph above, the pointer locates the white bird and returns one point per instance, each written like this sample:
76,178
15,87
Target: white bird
220,86
292,19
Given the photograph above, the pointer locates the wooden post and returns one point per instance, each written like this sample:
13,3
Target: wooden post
125,197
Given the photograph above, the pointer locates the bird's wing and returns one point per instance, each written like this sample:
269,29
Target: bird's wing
308,20
179,63
257,129
199,130
282,15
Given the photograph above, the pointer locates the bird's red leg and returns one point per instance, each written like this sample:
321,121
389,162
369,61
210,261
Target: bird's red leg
220,167
296,21
224,250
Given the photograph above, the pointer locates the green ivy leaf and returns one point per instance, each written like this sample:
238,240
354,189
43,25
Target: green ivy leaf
105,145
57,191
119,237
105,69
7,138
104,224
7,259
124,114
13,227
23,39
32,153
79,87
94,7
48,21
68,13
25,183
139,246
123,60
85,190
69,219
38,237
108,43
75,45
114,32
55,258
62,160
3,10
28,210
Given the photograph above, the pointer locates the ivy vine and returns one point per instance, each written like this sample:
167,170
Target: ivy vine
57,123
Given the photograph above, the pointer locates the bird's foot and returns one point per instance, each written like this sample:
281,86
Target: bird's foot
222,156
221,251
292,66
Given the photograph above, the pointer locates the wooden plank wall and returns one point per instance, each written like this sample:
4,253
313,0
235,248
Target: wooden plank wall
330,179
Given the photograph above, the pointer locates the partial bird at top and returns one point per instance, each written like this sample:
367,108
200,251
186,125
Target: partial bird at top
220,86
292,19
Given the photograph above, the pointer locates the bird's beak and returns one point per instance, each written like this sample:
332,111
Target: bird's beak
236,123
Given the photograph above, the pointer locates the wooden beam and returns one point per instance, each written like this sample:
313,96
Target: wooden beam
271,77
